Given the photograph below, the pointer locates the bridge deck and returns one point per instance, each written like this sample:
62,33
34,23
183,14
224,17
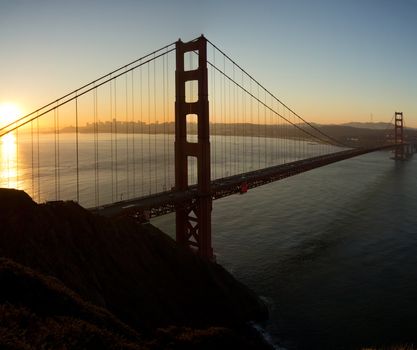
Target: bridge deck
162,203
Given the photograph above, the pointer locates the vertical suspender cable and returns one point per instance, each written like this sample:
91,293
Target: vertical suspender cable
77,150
97,153
222,153
224,119
299,141
275,134
292,143
238,131
116,173
55,157
17,158
32,158
235,143
302,140
259,132
111,141
133,136
303,143
295,136
226,127
168,121
229,119
265,131
251,122
278,143
93,162
282,137
282,134
155,131
39,161
141,131
58,152
164,121
127,136
149,131
285,135
244,125
96,168
271,135
6,164
213,116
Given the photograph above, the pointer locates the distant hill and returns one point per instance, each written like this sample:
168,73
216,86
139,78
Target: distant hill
353,134
365,125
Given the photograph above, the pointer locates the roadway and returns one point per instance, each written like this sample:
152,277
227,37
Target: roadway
146,207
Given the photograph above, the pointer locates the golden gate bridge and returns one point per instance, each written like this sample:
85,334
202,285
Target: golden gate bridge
121,146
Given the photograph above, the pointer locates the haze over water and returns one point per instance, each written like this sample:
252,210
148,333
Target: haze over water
333,251
129,165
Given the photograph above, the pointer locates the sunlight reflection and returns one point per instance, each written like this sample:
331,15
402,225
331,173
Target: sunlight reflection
8,162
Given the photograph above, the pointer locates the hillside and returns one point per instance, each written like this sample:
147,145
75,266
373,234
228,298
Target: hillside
131,271
369,125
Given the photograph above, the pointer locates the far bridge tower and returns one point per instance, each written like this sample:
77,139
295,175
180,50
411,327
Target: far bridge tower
399,136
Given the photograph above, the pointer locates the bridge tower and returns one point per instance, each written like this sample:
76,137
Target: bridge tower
399,136
193,219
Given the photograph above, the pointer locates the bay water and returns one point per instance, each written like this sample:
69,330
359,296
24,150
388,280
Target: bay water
332,251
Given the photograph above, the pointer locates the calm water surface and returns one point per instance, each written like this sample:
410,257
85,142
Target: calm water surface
332,251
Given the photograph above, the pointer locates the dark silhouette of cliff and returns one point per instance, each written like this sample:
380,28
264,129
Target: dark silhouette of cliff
110,280
37,311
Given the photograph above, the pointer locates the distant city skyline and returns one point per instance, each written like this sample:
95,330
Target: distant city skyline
330,61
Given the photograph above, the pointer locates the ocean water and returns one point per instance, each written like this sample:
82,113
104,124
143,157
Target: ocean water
333,252
106,168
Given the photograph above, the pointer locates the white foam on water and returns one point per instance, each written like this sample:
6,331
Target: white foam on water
267,337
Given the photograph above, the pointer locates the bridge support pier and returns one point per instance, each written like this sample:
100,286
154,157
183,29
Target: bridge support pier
193,220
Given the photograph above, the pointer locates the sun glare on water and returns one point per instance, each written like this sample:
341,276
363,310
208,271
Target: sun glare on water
8,162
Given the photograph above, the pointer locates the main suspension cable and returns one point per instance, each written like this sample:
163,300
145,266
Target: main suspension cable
273,96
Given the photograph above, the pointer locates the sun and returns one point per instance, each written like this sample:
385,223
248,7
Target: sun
9,112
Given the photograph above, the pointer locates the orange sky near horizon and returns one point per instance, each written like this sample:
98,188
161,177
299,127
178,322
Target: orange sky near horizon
332,62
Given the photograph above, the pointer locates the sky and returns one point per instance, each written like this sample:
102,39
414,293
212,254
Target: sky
330,61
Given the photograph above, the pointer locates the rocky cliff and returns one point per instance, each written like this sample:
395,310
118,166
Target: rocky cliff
137,278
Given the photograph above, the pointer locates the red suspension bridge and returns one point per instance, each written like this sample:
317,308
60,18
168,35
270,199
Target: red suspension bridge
120,146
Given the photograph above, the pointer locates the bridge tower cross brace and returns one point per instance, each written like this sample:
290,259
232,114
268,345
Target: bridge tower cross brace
399,136
193,219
